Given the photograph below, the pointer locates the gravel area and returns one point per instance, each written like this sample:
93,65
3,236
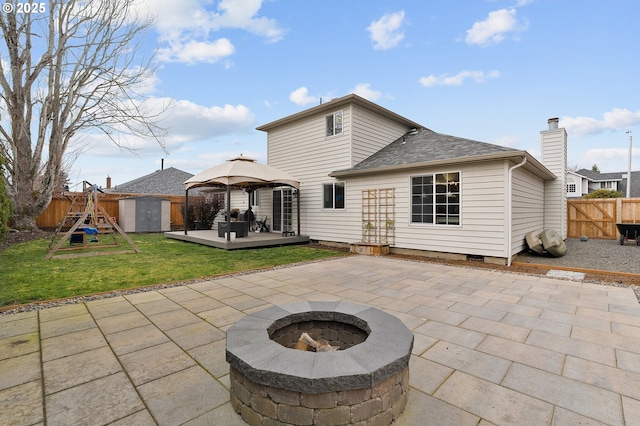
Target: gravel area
601,255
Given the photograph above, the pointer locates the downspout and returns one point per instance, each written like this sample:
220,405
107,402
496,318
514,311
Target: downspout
510,212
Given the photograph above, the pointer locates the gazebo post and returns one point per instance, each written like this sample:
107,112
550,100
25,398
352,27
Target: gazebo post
298,207
186,211
228,213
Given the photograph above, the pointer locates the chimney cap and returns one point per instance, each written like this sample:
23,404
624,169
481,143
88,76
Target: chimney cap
553,123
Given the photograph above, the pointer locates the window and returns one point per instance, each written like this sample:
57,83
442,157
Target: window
254,198
571,188
333,195
606,185
435,198
334,123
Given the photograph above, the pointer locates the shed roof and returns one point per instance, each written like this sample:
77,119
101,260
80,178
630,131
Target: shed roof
424,147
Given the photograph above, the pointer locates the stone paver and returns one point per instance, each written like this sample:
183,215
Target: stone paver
494,403
490,348
73,370
98,402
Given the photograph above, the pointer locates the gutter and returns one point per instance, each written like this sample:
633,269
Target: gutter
510,213
541,170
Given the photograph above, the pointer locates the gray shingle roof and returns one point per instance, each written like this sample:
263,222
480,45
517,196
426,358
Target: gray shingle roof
617,176
169,181
426,145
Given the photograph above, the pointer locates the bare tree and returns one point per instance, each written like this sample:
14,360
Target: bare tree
68,68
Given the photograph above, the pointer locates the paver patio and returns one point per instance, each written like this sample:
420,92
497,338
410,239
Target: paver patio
490,347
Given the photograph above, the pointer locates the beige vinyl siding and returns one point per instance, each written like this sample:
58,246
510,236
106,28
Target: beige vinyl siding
482,228
527,212
303,150
371,133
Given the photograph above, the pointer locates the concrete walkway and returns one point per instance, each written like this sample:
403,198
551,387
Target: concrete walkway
490,347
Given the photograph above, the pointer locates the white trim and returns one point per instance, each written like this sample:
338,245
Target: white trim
333,201
333,115
410,201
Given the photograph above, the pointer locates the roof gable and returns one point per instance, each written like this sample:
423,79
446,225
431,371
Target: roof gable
334,104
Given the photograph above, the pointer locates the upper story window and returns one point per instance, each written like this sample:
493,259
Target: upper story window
435,198
333,195
334,123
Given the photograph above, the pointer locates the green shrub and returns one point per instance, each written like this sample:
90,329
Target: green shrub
202,212
603,193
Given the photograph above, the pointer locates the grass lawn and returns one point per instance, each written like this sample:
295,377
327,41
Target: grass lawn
25,276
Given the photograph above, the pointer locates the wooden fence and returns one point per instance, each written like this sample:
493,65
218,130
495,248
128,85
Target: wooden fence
53,214
597,218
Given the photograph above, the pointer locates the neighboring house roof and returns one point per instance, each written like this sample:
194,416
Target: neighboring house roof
599,177
169,181
424,147
620,177
337,103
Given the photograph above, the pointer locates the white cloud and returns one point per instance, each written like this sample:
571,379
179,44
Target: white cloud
364,90
495,27
192,51
458,79
387,32
185,27
301,96
616,119
184,122
242,14
610,159
187,121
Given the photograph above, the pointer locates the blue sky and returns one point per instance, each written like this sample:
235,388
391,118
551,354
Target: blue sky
492,71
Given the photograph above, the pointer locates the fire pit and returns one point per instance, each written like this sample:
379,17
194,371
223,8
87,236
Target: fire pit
367,379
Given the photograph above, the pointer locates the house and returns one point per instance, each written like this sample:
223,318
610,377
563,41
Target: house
584,181
370,175
169,181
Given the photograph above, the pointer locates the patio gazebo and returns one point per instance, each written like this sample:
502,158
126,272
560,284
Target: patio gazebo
241,173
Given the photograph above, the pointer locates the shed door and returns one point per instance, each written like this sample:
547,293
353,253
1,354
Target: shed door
148,215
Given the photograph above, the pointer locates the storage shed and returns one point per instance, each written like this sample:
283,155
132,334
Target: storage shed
144,214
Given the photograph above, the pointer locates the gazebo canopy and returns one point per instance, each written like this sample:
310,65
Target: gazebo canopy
242,173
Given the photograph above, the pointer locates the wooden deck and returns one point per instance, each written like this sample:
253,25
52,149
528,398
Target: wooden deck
253,240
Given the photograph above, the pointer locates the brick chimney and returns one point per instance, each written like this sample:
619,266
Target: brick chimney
554,157
108,182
